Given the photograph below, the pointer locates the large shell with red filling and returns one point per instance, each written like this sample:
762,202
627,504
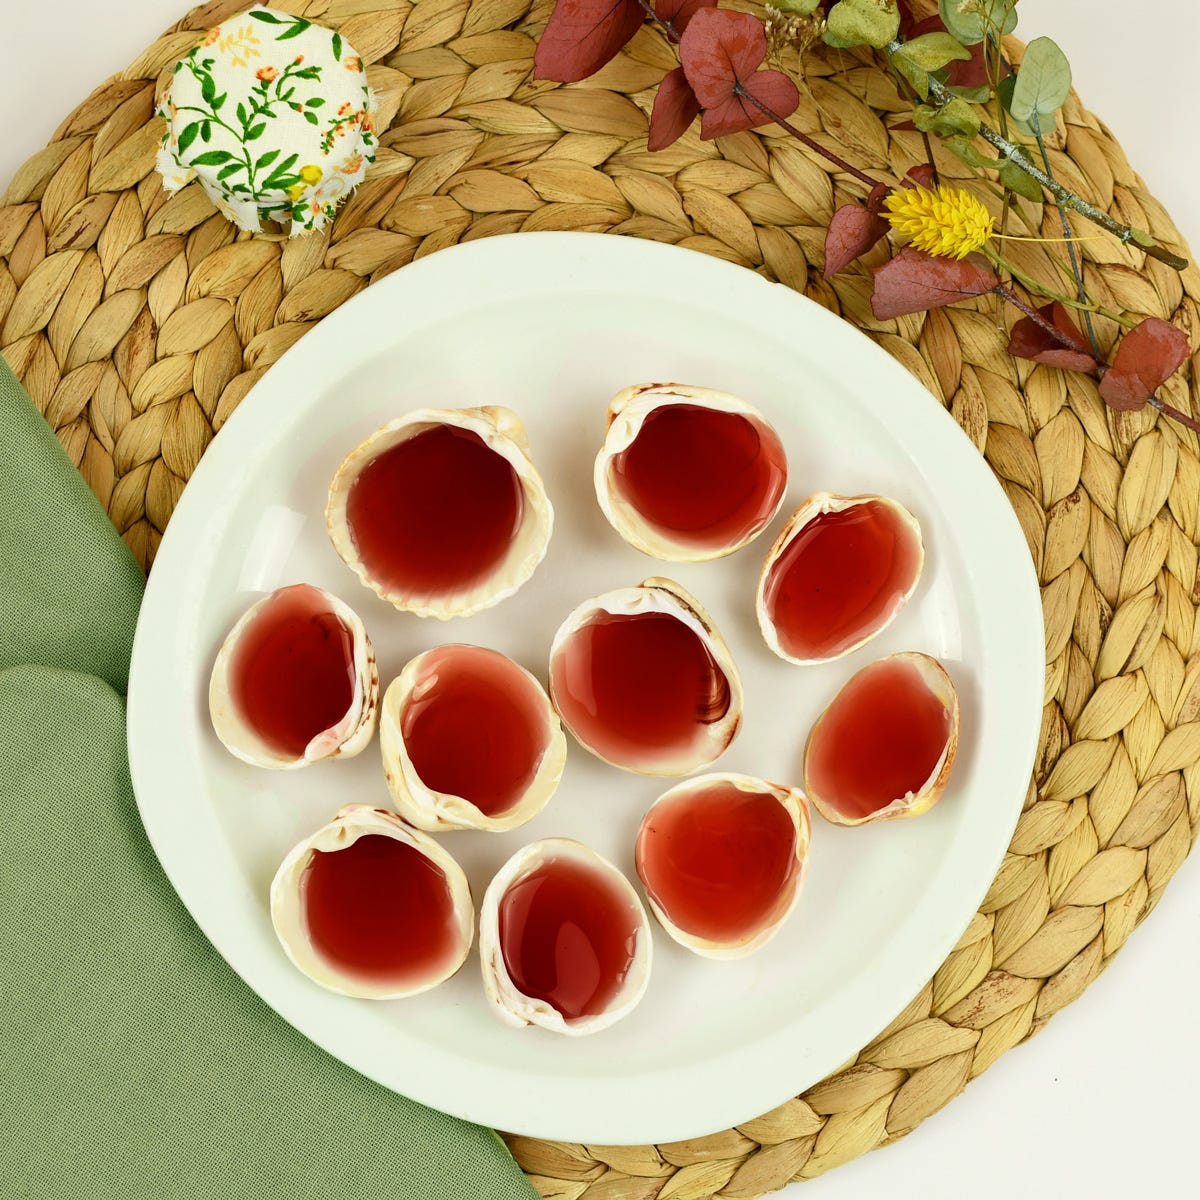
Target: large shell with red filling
502,432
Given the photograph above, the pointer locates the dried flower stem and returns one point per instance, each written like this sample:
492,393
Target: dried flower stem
1041,290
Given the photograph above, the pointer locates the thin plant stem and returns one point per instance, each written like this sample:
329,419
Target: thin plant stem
800,135
1069,234
1041,289
1171,411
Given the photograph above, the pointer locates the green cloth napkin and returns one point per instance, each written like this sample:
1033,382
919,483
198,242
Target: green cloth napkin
133,1062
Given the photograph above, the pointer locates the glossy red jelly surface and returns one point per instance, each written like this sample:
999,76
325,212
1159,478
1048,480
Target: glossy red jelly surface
568,937
435,514
381,910
475,727
718,861
638,688
880,739
292,672
840,578
706,478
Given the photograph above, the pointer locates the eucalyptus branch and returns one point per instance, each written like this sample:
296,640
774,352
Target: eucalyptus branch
1068,199
1069,234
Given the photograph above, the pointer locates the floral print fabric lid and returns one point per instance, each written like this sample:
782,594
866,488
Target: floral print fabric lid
272,115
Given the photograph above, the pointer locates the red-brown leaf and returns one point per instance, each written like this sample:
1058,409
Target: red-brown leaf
853,231
721,53
915,281
1146,358
876,197
922,176
1070,352
582,35
677,13
675,108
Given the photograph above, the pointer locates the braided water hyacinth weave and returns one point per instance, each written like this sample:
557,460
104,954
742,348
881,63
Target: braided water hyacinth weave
138,321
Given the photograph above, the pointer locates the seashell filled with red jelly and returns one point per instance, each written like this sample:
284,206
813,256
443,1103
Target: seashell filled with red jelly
295,681
722,858
884,747
644,680
469,741
688,473
564,941
839,572
370,907
441,512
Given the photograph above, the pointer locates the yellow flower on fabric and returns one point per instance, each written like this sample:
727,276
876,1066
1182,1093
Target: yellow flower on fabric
949,222
311,173
295,192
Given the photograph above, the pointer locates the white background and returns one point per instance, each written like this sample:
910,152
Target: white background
1103,1102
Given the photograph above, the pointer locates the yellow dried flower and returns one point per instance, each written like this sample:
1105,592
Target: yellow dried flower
949,222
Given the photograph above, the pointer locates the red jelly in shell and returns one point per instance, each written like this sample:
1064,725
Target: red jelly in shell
644,690
568,935
475,726
703,480
381,910
292,670
837,575
722,859
436,513
885,745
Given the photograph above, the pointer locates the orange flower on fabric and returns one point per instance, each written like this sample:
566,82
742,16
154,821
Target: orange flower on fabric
266,74
213,34
353,63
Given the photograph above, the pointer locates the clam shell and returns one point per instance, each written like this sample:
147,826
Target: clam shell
627,413
911,804
343,740
501,431
657,595
429,809
514,1006
795,804
287,908
816,505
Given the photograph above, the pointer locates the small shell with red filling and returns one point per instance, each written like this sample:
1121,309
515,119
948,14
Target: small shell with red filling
482,729
688,473
722,858
839,572
884,747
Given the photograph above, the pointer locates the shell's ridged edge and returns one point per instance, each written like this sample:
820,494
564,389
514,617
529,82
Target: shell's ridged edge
183,317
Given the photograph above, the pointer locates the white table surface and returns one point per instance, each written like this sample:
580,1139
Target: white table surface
1102,1102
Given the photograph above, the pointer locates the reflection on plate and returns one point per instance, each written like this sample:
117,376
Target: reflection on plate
552,325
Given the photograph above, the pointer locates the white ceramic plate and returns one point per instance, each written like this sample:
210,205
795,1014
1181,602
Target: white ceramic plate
552,325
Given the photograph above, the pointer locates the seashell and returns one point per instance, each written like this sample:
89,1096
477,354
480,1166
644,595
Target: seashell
554,940
441,512
722,858
369,907
884,747
469,741
644,680
295,681
688,473
839,572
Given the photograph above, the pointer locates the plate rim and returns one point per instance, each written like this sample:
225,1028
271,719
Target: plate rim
562,255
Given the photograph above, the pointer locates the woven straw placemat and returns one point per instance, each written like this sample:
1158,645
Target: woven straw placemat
138,323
